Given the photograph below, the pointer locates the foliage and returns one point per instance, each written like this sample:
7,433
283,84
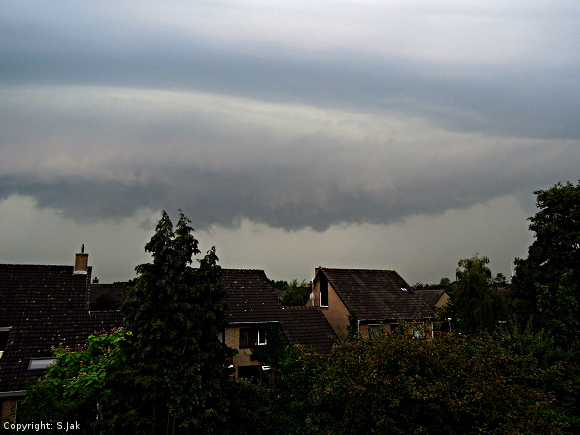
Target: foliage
249,408
294,291
547,283
294,368
353,329
477,303
499,280
561,364
443,284
175,369
72,388
396,384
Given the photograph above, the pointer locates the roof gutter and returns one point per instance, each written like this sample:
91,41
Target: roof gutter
252,323
397,319
12,393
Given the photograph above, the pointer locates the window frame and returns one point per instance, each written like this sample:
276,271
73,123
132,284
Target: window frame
374,330
41,363
251,337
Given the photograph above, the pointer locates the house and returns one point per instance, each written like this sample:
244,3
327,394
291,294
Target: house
46,306
41,307
381,299
252,304
436,299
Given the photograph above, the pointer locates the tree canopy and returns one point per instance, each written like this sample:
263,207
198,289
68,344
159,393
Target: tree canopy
175,368
547,282
72,388
477,303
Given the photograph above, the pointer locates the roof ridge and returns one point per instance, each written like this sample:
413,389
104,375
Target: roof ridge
36,265
359,269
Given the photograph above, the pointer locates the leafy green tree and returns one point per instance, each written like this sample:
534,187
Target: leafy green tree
295,292
443,284
279,285
546,287
400,385
72,388
477,303
175,374
395,384
499,280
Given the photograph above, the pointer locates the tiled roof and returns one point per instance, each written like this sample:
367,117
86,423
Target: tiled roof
45,306
250,296
309,327
376,294
431,296
106,296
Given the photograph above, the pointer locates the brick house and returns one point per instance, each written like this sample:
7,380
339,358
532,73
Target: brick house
380,298
252,303
42,306
437,299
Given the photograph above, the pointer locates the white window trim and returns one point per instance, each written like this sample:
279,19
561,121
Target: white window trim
262,340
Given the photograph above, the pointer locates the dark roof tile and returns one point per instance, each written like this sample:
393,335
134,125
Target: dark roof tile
377,294
430,296
45,306
308,326
250,296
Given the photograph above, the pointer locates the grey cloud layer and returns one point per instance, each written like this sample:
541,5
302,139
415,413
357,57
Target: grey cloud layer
510,71
107,152
296,116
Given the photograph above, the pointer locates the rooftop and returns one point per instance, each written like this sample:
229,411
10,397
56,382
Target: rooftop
376,294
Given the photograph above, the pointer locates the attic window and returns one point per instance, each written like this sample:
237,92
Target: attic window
40,363
404,289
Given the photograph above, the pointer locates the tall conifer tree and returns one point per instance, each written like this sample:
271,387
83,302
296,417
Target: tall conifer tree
175,370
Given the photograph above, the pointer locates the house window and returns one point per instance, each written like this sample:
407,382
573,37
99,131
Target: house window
250,337
418,330
3,339
40,363
375,330
395,328
323,291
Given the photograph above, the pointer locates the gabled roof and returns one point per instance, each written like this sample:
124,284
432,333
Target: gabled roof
308,326
44,306
376,294
250,297
103,297
431,296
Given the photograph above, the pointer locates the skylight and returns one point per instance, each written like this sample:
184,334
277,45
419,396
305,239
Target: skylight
40,363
